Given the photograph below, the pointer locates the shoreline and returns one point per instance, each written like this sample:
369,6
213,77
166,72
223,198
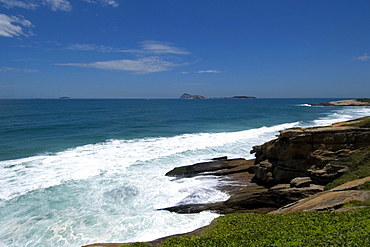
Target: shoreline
289,174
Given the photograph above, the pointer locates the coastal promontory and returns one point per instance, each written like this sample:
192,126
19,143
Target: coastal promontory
354,102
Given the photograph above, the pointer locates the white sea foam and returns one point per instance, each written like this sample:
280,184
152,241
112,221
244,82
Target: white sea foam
343,114
114,156
306,105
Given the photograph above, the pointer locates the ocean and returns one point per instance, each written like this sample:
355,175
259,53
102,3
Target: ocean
75,172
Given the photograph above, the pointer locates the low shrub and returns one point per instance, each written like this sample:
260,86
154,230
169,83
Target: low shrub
351,228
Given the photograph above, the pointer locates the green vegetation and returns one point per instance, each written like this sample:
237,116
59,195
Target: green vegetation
359,167
357,204
365,186
351,228
362,123
364,100
139,244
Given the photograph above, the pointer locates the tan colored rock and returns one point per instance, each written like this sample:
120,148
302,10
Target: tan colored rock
315,152
328,200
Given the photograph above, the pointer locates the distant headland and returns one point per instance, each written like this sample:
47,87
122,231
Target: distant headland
189,96
354,102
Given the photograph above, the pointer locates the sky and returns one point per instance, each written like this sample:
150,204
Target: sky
163,48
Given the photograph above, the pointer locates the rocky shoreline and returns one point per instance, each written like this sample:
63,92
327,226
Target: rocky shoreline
288,174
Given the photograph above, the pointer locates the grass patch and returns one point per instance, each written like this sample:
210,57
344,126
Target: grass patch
357,204
365,186
362,123
359,167
364,100
139,244
351,228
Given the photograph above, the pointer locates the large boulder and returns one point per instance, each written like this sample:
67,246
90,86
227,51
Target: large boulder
318,153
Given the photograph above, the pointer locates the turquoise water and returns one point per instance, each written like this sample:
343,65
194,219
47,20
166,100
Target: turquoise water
74,172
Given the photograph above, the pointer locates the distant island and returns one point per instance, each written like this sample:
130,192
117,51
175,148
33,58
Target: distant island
189,96
64,97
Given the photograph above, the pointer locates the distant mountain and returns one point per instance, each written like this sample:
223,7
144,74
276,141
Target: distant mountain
189,96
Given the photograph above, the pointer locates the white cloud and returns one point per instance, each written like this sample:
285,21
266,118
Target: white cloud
104,2
56,5
16,3
91,47
13,26
363,57
140,66
153,57
156,47
209,71
6,69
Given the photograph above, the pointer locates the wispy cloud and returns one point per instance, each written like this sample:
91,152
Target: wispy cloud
190,84
363,57
16,3
104,2
139,66
152,57
26,59
146,48
209,71
8,69
157,47
14,26
54,5
91,47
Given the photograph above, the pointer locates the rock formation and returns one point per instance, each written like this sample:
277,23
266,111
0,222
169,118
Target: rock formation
316,153
333,199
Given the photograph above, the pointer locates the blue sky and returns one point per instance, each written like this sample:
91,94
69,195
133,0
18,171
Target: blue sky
162,49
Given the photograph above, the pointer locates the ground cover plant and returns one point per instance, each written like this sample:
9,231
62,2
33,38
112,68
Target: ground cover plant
364,99
351,228
359,167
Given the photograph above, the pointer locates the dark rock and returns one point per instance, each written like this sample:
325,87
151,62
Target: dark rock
220,158
300,182
215,167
